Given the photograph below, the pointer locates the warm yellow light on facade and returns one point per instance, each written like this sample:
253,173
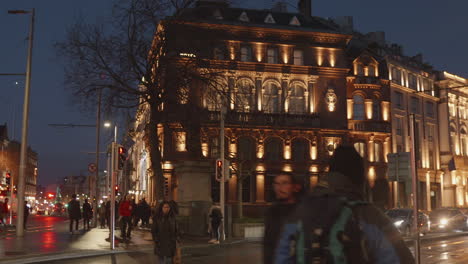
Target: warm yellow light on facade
181,141
313,152
366,71
368,108
453,177
287,168
332,58
204,147
349,108
285,54
355,66
319,57
371,176
313,181
385,106
260,151
376,71
232,150
260,168
232,51
168,165
259,51
313,168
259,103
287,151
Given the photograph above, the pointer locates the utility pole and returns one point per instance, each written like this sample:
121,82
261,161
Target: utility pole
112,195
414,173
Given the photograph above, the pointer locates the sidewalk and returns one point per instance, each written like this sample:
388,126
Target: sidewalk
47,246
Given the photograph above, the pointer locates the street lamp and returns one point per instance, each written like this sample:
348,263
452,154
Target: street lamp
113,174
24,130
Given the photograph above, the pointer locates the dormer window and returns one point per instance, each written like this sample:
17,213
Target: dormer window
243,17
246,53
298,57
269,19
294,21
272,55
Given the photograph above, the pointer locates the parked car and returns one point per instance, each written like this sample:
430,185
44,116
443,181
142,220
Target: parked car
402,218
449,219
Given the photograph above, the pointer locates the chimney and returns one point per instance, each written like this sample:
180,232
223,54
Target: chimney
305,7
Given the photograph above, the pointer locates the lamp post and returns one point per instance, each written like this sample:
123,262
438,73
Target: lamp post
24,130
113,174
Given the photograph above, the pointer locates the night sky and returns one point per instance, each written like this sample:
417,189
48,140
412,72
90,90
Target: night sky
432,27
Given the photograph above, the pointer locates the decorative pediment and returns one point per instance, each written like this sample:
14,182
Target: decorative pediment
269,19
294,21
243,17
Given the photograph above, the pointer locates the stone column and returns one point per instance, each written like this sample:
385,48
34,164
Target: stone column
231,91
311,85
285,93
258,92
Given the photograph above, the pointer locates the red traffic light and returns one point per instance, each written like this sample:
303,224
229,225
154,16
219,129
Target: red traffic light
219,163
116,188
121,150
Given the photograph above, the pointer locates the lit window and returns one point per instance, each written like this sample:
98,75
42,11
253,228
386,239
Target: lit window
296,99
298,57
360,148
270,98
244,96
272,55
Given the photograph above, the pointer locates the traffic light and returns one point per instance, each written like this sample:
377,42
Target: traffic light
8,178
219,169
122,157
116,190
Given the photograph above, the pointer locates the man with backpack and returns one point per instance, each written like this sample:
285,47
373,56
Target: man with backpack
287,189
335,225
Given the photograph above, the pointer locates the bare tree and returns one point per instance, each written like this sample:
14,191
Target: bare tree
133,61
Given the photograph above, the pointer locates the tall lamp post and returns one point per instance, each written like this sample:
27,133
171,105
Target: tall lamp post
113,174
24,130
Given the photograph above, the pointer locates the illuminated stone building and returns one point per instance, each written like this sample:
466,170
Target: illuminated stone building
453,127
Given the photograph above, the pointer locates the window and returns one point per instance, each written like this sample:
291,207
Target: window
396,76
376,113
453,139
399,100
360,148
246,148
296,99
298,57
270,98
371,70
414,105
219,53
244,96
430,109
246,53
272,55
430,139
214,147
358,107
300,149
452,111
377,151
359,69
213,100
464,142
399,126
273,149
413,81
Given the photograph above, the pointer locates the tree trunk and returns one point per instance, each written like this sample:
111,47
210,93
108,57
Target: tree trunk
155,152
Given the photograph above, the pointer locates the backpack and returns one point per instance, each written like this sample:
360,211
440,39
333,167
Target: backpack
328,232
216,214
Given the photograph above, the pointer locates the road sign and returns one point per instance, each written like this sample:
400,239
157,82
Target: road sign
92,167
399,166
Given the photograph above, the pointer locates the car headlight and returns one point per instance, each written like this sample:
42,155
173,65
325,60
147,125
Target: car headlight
443,221
398,223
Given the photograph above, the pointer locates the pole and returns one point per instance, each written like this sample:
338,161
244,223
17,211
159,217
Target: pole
397,189
112,198
24,137
222,182
96,192
415,189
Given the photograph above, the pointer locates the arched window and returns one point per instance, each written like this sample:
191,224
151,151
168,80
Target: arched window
358,107
273,149
360,148
296,99
246,148
244,96
270,98
376,112
300,149
213,100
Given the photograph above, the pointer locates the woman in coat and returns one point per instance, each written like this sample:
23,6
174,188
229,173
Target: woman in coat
165,233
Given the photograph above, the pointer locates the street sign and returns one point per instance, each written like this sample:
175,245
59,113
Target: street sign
92,167
399,166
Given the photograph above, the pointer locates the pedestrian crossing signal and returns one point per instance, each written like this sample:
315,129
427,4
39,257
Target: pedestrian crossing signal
219,169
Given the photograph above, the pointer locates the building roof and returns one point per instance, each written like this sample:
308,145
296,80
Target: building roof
219,14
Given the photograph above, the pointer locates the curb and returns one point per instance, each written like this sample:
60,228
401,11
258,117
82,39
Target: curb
42,258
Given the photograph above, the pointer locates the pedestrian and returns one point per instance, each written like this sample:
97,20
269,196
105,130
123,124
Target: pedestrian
102,215
335,223
26,214
165,234
87,214
287,189
135,213
74,213
6,211
125,212
145,212
2,220
216,218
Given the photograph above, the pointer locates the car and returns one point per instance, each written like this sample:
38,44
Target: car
402,218
449,219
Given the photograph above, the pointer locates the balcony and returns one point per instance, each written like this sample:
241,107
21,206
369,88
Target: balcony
367,80
266,119
370,126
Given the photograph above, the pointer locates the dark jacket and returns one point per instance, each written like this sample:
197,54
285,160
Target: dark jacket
275,218
165,235
384,244
74,211
87,211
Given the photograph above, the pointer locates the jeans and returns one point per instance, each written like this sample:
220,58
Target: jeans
86,223
76,224
165,260
215,229
126,226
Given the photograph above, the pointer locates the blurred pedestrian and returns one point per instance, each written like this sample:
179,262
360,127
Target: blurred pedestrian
26,214
336,223
102,215
165,234
125,212
216,218
145,210
87,214
6,211
287,189
136,214
74,213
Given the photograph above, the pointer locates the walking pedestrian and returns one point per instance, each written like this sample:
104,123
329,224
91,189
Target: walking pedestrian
74,213
102,215
136,214
145,212
87,214
165,234
216,218
287,189
335,223
26,214
6,211
125,212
